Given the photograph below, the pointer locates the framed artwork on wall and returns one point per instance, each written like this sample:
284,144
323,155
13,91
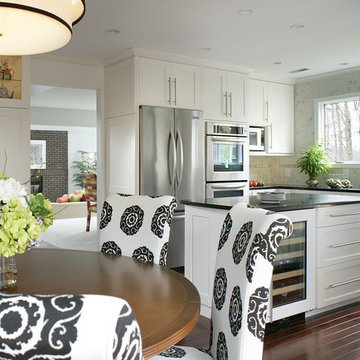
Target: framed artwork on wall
10,77
38,154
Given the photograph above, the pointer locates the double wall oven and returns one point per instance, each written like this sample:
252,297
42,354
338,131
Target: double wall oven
227,160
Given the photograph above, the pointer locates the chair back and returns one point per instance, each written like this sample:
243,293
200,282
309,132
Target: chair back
90,187
77,327
247,248
137,226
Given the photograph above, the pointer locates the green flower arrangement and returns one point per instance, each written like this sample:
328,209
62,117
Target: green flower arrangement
23,217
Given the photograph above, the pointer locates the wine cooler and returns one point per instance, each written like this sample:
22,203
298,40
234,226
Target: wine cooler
293,268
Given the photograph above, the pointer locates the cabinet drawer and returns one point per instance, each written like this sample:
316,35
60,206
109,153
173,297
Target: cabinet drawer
336,215
338,283
337,244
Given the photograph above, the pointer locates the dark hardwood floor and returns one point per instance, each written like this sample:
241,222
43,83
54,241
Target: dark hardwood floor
333,336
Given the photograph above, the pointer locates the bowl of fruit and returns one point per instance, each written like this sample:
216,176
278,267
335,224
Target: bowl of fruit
256,183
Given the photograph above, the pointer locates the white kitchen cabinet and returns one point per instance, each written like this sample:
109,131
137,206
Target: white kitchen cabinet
202,230
223,95
272,105
338,254
168,84
119,89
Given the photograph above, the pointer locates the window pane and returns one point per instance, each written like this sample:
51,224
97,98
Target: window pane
341,130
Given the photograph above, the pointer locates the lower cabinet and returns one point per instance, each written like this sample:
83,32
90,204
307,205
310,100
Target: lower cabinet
293,286
338,255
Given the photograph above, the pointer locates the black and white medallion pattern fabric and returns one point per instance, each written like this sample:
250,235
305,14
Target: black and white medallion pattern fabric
220,285
258,305
247,248
34,326
62,327
132,220
225,231
110,247
241,242
137,226
106,214
143,253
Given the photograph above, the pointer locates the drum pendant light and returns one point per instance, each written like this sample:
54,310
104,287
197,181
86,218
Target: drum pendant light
37,26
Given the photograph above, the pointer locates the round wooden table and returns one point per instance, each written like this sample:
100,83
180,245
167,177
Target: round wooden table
165,303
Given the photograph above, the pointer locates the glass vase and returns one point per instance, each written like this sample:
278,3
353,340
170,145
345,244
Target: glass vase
8,272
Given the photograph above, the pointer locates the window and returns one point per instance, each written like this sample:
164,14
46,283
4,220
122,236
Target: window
339,128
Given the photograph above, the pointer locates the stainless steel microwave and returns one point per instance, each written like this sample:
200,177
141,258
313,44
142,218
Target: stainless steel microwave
257,138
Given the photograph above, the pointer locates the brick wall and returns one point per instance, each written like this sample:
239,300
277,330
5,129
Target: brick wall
55,176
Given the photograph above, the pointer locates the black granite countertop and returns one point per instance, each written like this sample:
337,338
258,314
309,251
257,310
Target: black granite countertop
293,202
299,187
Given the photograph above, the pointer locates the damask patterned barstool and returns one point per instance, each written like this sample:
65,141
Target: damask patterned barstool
247,248
65,326
137,226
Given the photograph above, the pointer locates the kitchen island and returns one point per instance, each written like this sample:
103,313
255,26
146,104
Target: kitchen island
318,268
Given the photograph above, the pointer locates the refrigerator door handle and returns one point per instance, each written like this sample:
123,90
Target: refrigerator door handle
173,144
178,139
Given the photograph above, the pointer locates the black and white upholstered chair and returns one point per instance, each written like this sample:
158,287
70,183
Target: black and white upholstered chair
76,327
137,226
247,248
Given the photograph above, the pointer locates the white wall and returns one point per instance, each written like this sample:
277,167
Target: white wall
80,137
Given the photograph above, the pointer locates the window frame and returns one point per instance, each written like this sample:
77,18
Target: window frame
319,123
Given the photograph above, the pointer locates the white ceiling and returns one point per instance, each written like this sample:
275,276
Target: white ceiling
330,36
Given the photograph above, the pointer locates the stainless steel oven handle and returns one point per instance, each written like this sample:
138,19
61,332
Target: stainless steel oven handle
227,139
227,187
178,138
172,142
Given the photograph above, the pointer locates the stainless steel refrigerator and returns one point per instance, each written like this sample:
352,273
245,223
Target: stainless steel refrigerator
172,163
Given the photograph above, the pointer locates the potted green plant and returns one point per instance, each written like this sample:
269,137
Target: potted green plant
313,161
87,165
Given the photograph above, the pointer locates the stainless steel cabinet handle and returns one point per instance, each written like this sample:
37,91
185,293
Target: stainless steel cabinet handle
344,283
174,91
219,187
169,81
345,244
178,140
226,106
173,174
270,137
230,97
342,215
226,140
267,111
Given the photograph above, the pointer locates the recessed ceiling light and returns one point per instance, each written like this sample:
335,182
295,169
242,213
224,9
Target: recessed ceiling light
298,70
297,26
277,62
205,49
343,63
245,11
112,31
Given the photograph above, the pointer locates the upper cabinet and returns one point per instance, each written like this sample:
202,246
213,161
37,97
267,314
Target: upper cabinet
272,105
223,95
168,84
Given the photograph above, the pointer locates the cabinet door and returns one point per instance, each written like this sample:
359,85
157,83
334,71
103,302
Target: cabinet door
154,83
15,140
185,86
236,95
214,104
280,118
256,102
119,88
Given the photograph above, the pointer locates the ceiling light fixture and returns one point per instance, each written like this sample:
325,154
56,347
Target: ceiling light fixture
277,62
245,12
33,27
343,64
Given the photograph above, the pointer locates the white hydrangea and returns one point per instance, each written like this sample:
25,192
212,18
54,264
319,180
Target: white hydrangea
11,189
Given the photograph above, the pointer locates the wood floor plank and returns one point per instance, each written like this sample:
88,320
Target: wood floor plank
332,336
